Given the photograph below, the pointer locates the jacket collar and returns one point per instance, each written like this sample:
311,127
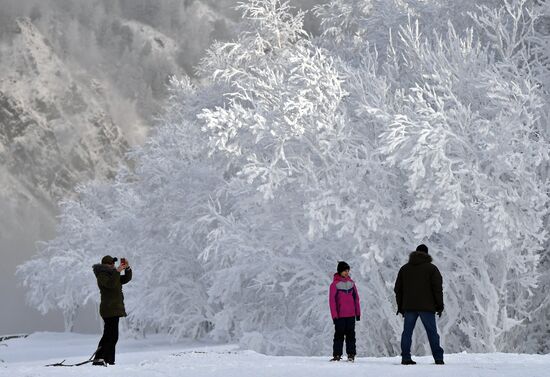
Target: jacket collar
338,277
99,268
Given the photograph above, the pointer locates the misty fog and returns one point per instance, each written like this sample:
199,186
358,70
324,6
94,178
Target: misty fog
119,55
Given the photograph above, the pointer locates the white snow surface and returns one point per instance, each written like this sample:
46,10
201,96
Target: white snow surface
157,356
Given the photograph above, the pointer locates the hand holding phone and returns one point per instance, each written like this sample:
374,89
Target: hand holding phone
123,265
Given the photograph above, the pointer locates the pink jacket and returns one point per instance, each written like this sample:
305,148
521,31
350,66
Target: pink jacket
343,298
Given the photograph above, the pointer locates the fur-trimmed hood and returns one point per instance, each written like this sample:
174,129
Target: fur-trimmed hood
419,257
99,268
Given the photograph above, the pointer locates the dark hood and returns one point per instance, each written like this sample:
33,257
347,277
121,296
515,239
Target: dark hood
99,268
419,257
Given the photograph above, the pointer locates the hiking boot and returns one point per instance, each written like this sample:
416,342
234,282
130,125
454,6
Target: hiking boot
351,358
99,362
336,358
440,362
408,362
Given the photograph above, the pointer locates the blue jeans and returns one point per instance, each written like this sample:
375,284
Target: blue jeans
428,320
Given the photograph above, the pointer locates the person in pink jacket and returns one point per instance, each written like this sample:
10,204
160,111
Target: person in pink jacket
345,309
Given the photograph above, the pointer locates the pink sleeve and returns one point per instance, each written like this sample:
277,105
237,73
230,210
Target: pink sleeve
332,301
357,302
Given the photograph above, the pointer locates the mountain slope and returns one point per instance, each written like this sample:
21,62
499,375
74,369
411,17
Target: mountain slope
54,131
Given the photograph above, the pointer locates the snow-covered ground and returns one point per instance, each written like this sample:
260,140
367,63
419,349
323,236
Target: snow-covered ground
157,356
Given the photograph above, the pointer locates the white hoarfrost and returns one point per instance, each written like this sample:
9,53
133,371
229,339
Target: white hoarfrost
295,153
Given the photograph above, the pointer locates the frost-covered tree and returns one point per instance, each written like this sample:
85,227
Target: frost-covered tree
175,181
295,152
457,128
57,277
463,126
147,215
538,61
280,128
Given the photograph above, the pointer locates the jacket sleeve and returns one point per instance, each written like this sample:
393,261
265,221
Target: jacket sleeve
437,289
126,277
398,289
357,302
106,280
332,301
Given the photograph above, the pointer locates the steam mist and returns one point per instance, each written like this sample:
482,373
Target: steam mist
118,54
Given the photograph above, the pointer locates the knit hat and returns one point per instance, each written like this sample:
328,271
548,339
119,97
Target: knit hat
342,266
107,259
423,248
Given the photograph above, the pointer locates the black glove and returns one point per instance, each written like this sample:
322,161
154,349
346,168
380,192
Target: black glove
439,313
400,312
334,321
357,317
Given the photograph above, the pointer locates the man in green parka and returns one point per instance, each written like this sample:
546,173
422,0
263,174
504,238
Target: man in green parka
111,308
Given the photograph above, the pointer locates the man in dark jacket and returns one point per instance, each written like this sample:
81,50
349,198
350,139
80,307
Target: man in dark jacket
111,308
419,293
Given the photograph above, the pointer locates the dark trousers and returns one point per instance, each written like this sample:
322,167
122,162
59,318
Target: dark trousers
428,320
107,344
344,328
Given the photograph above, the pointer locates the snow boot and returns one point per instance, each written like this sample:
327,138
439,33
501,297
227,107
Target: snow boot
351,358
99,362
408,362
440,362
336,358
